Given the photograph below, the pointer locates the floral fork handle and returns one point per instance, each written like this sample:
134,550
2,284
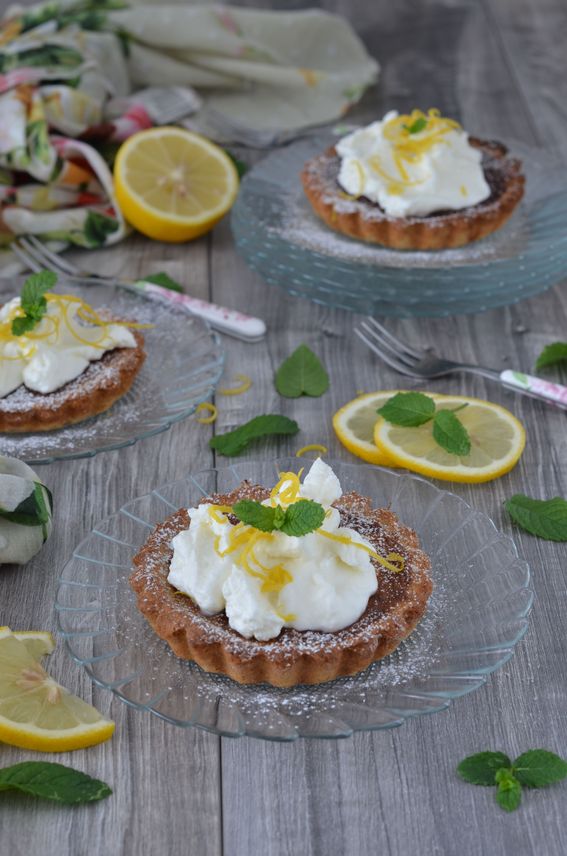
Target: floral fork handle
535,387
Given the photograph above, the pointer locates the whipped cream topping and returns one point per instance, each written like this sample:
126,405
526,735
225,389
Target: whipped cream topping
313,582
433,168
59,348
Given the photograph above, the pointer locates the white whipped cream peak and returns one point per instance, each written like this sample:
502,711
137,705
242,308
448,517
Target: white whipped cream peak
57,350
412,174
329,581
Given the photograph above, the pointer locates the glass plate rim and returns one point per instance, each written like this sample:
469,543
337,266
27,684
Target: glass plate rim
478,677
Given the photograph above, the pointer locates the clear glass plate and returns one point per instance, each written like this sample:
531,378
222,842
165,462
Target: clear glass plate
184,362
477,613
280,236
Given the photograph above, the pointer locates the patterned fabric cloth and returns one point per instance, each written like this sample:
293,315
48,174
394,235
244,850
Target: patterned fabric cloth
25,512
264,76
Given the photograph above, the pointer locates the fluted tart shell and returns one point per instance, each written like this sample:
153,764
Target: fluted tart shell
294,657
365,220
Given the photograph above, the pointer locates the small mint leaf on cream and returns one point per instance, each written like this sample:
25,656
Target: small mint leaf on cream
298,519
418,125
33,301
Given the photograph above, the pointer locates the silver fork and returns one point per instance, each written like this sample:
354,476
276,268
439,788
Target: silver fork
412,362
36,256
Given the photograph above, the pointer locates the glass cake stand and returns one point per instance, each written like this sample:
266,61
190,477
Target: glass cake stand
476,615
280,237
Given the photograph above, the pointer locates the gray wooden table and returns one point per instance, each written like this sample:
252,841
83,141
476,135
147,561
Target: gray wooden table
501,67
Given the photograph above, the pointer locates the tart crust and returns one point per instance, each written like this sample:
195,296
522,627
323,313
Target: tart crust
294,657
360,218
102,383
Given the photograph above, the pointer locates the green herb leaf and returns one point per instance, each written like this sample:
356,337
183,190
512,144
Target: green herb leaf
302,517
302,374
544,518
538,768
164,280
255,514
509,793
241,167
33,301
409,409
234,442
450,433
481,769
418,125
53,782
552,354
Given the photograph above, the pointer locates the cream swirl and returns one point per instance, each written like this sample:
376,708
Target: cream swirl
412,165
319,581
59,348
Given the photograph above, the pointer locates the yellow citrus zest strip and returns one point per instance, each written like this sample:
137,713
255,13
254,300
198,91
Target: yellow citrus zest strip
206,405
312,447
344,539
219,512
245,385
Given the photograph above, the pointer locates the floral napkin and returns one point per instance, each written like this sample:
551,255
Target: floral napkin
25,512
264,76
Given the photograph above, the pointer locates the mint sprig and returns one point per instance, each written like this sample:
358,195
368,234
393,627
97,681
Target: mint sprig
302,373
297,519
164,280
412,409
33,302
536,768
545,518
269,424
552,354
418,125
52,782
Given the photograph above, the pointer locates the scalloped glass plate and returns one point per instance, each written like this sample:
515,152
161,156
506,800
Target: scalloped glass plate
184,361
281,237
477,613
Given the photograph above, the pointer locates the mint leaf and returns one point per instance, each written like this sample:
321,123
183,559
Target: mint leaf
234,442
241,167
33,301
409,409
302,517
418,125
53,782
302,374
509,793
450,433
164,280
552,354
35,287
538,768
481,769
255,514
544,518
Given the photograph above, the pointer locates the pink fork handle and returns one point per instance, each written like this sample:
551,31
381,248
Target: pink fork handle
228,321
555,393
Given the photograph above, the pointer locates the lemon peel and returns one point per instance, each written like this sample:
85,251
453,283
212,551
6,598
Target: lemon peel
244,386
312,447
206,405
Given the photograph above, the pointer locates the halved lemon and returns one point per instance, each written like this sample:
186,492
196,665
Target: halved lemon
354,426
497,441
38,642
172,184
36,712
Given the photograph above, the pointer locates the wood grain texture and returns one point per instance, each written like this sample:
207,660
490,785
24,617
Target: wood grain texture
500,65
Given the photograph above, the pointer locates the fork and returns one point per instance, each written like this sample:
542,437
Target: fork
36,256
416,363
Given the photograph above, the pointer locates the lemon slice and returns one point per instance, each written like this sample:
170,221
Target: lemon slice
497,441
354,426
38,642
173,185
37,713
